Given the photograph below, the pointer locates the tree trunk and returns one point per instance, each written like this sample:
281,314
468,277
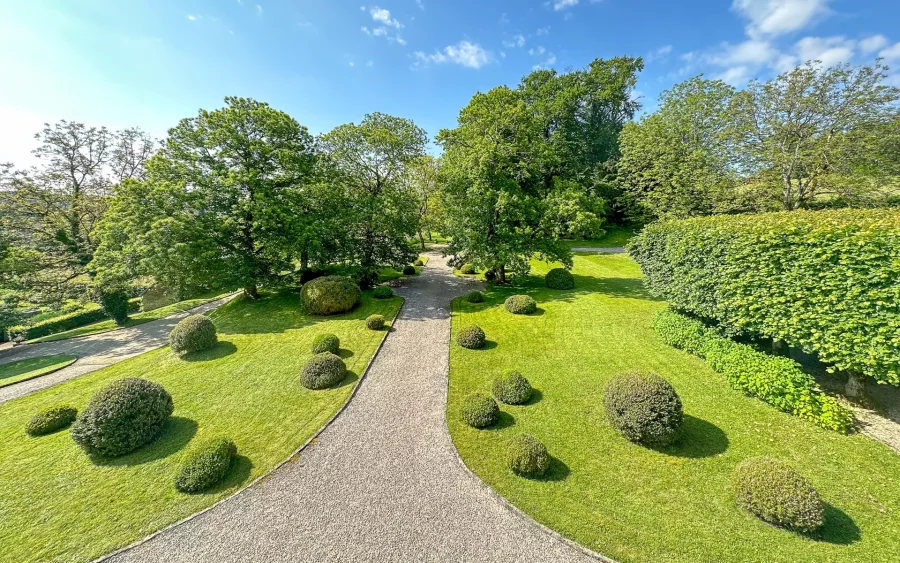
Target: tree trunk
251,291
501,274
304,260
856,387
421,239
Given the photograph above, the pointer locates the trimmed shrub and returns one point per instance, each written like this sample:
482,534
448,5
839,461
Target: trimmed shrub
512,389
91,313
559,278
409,270
205,465
51,420
326,343
323,371
122,417
375,322
776,493
114,302
418,262
475,296
527,456
329,295
383,292
467,269
158,296
471,337
479,410
644,408
193,334
520,304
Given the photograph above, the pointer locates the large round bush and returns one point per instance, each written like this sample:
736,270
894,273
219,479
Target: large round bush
51,420
375,322
467,269
205,465
323,371
121,417
193,334
471,337
645,408
559,278
776,493
383,292
512,389
475,296
520,305
527,456
409,270
326,343
479,410
329,295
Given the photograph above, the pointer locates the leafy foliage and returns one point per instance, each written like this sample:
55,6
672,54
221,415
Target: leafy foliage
527,456
323,371
512,389
520,304
114,301
479,410
375,322
326,343
776,493
475,296
383,292
467,270
205,465
471,337
559,278
193,334
329,295
51,419
645,408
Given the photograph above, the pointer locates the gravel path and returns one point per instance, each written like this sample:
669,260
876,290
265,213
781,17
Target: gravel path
382,482
96,351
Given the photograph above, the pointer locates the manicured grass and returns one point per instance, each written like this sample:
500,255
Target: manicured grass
57,505
614,236
636,504
21,370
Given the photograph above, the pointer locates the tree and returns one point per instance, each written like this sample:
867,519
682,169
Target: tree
422,177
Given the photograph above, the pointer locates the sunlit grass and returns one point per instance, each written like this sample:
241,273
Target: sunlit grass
20,370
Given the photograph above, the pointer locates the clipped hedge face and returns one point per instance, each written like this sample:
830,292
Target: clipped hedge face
375,322
475,296
51,420
418,262
329,295
383,292
323,371
479,410
409,270
512,389
644,408
527,456
520,305
559,278
471,337
205,465
467,269
193,334
121,417
326,343
776,493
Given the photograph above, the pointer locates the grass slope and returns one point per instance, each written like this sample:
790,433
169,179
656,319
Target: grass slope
14,372
639,505
614,236
55,505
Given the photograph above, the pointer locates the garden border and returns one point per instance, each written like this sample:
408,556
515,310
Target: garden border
42,374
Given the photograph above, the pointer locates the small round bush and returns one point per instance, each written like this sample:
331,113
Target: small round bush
471,337
205,465
374,322
645,408
51,420
559,278
520,305
418,262
326,343
409,270
383,292
475,297
329,295
115,303
122,417
527,456
323,371
776,493
467,269
193,334
479,410
512,389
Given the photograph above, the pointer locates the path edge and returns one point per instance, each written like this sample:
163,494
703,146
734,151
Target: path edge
54,370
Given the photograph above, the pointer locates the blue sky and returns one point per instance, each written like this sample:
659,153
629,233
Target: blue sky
149,63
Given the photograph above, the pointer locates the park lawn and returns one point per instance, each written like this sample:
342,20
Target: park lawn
636,504
614,236
56,505
14,372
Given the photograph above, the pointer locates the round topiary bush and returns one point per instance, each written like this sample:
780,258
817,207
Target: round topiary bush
51,420
520,305
375,322
193,334
326,343
467,269
383,292
475,297
527,456
121,417
418,262
512,389
471,337
114,301
479,410
323,371
329,295
776,493
205,465
559,278
645,408
409,270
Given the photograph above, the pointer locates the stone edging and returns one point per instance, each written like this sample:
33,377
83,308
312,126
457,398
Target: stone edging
54,370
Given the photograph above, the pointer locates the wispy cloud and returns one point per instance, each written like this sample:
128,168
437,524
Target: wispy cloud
514,41
420,4
778,17
259,9
563,4
383,16
464,53
386,25
542,31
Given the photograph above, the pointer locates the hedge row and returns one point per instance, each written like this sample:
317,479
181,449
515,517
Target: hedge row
91,313
775,380
827,282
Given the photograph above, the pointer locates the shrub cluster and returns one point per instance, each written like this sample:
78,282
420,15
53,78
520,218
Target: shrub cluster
645,408
409,270
512,389
90,313
121,417
475,296
467,269
383,292
326,343
776,493
323,371
527,456
776,380
520,304
375,322
205,465
51,420
479,410
559,278
193,334
114,301
329,295
471,337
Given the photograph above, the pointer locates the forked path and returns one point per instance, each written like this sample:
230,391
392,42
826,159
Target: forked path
382,482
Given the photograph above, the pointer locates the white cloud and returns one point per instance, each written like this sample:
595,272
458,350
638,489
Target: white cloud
464,53
545,63
193,18
892,53
829,50
384,17
751,51
420,4
873,43
563,4
515,41
735,75
777,17
660,53
542,31
539,50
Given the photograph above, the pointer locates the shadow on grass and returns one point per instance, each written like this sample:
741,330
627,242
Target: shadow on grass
699,439
488,345
220,350
350,379
536,396
175,435
556,471
838,529
505,420
344,354
237,474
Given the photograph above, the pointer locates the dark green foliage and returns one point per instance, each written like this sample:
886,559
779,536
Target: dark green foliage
114,302
645,408
329,295
471,337
776,493
475,296
193,334
121,417
51,420
467,269
310,274
520,305
375,322
559,278
479,410
409,270
326,343
323,371
490,275
527,456
383,292
512,389
205,465
92,313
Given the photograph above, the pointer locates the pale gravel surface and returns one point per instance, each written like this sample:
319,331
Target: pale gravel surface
382,483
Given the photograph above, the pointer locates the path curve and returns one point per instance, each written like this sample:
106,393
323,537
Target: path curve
382,482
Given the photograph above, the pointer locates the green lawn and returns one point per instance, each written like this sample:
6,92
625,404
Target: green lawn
639,505
21,370
614,236
55,505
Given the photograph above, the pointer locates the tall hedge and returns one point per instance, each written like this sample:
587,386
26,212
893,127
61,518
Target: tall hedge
827,282
91,313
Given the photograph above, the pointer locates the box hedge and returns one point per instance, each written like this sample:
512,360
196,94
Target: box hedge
90,313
